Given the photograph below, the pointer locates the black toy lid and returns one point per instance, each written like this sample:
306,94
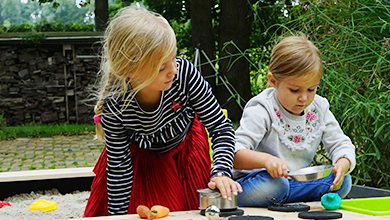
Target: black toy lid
320,215
289,207
252,217
227,212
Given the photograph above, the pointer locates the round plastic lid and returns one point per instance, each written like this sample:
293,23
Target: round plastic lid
289,207
320,215
253,217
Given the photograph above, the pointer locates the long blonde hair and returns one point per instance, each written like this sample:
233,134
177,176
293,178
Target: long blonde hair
135,39
295,56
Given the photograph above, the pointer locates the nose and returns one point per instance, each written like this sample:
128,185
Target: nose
172,68
303,97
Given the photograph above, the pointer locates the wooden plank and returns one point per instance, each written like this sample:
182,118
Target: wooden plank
46,174
195,215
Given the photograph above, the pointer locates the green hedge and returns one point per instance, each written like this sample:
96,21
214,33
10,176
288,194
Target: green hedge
45,26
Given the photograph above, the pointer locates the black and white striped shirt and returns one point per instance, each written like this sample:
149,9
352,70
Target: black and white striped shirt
162,130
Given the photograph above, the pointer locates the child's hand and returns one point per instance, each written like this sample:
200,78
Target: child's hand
340,168
226,186
276,167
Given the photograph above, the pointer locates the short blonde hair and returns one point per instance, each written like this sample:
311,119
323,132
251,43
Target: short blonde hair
295,56
135,39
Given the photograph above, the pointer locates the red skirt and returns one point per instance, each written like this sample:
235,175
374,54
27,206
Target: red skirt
169,179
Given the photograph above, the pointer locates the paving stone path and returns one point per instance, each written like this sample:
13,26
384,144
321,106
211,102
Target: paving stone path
49,153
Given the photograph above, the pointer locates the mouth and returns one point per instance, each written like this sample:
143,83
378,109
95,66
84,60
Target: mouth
167,82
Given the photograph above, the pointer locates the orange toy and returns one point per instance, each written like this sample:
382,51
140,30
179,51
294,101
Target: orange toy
144,212
156,211
160,210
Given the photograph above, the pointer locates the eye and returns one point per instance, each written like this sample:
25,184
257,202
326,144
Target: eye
294,90
162,68
311,90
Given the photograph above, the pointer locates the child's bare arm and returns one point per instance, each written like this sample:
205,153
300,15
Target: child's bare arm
249,159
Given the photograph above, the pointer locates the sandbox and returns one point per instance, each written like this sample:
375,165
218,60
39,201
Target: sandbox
70,189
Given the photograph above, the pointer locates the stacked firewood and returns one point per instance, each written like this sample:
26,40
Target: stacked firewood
47,84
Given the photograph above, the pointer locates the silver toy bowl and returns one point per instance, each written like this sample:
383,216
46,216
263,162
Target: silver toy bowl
311,173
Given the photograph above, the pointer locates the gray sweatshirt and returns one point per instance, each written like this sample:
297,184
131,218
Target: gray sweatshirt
267,127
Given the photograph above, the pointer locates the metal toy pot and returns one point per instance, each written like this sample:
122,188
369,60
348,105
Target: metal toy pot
209,197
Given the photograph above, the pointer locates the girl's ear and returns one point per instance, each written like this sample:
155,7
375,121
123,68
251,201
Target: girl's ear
271,79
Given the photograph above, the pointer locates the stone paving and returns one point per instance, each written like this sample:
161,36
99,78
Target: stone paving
49,153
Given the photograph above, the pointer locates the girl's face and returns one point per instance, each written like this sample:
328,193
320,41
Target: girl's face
295,93
167,71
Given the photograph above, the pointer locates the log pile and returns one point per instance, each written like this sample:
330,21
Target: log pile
46,83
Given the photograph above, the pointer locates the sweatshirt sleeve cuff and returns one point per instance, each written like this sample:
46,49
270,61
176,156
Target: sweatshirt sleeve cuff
352,162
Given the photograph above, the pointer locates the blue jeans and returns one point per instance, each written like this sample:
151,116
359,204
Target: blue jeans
259,187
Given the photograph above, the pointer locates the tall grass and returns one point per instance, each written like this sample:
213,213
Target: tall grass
353,38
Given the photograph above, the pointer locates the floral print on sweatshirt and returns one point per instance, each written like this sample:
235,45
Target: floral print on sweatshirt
298,134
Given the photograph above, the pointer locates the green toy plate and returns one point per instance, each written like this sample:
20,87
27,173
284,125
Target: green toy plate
370,206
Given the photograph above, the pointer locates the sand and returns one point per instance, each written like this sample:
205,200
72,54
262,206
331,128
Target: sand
69,206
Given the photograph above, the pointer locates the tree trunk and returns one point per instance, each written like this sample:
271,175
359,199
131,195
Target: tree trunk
101,15
235,21
203,36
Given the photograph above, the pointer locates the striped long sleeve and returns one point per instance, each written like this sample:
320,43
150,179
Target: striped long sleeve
162,129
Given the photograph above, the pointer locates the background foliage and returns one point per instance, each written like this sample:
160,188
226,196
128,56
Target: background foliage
17,12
